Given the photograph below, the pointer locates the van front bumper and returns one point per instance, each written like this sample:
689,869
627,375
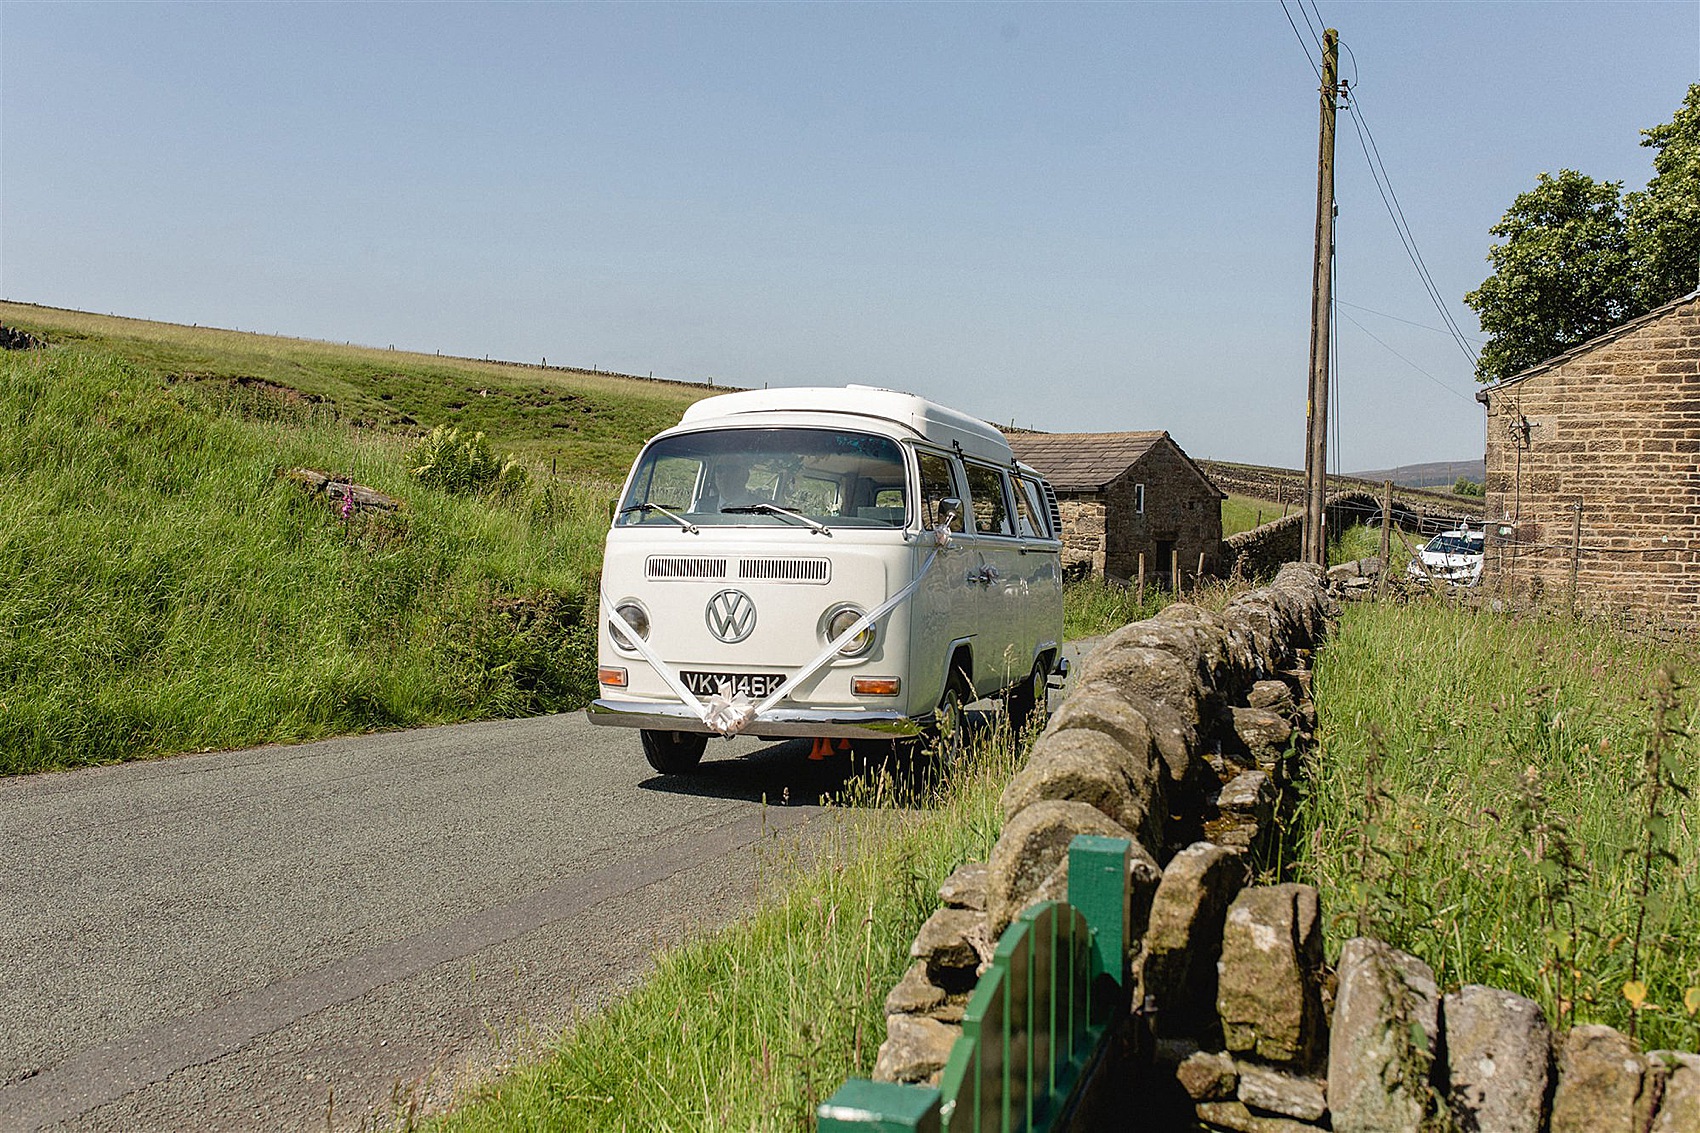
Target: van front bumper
776,723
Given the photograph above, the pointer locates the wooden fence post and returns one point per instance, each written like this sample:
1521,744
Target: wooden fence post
1386,533
1575,553
1142,580
1175,572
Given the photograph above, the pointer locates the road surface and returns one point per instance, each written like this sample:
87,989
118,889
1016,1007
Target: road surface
310,936
320,936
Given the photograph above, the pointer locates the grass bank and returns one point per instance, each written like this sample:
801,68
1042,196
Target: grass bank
580,422
751,1028
162,589
1488,795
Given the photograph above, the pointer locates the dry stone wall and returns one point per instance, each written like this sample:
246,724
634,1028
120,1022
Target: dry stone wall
1181,734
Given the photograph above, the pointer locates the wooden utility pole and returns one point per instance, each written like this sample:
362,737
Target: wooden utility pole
1322,295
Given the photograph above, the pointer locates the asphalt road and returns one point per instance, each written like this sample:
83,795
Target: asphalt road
322,936
315,936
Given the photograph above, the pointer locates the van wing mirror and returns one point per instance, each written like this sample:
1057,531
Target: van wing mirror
949,508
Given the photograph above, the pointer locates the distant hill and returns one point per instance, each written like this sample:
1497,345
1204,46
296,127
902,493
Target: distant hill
1435,474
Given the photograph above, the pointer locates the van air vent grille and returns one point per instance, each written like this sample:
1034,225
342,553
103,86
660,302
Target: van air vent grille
785,570
679,566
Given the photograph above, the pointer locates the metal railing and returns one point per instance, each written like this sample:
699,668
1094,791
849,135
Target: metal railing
1037,1024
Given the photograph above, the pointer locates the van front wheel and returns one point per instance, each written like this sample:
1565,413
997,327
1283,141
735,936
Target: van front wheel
673,753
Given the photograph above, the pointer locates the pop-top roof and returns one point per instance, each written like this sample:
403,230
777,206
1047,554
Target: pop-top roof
926,419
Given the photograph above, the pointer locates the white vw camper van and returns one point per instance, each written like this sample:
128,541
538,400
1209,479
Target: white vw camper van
839,563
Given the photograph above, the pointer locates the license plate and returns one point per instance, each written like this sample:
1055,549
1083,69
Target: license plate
753,685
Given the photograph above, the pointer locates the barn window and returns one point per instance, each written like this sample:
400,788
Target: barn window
1139,499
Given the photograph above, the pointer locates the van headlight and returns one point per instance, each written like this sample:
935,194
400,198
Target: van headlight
633,615
838,620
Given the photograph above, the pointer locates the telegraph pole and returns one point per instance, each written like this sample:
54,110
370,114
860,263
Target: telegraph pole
1322,294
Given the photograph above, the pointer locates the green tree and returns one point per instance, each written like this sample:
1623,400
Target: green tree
1561,276
1664,220
1580,258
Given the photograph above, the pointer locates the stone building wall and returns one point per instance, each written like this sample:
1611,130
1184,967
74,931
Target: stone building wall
1082,535
1614,426
1180,507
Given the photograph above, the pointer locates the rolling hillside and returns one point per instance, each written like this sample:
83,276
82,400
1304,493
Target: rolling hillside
166,587
581,422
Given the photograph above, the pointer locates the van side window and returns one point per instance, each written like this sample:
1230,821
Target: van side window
985,489
937,483
1030,510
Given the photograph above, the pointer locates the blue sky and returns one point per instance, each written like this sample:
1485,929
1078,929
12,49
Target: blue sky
1067,216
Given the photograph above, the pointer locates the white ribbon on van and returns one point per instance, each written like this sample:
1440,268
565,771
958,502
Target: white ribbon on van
728,713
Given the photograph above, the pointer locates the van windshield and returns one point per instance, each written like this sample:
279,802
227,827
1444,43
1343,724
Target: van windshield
769,478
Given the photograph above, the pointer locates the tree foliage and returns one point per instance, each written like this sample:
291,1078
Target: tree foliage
1664,220
1580,257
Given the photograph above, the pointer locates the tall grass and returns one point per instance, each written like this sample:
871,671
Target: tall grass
1497,798
752,1028
162,589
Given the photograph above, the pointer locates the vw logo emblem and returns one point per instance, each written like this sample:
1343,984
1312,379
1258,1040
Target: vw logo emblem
731,616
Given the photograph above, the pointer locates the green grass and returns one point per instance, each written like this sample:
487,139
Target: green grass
751,1028
162,589
1242,513
1093,607
1363,540
1481,799
585,423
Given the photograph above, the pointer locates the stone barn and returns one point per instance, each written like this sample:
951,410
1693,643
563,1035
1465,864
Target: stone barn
1593,474
1124,495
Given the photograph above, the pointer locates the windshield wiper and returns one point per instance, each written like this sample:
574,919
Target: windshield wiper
775,509
648,507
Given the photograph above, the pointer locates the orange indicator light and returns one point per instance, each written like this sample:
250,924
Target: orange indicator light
613,678
875,686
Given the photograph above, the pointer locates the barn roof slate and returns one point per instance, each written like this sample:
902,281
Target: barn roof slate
1088,462
1579,349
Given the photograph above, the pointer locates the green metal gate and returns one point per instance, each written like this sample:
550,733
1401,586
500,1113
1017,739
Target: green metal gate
1038,1020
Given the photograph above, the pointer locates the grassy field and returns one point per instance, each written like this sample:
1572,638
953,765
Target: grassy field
752,1028
1242,513
162,589
587,424
1504,799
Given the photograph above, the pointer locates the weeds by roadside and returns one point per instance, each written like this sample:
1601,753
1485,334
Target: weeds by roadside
1511,802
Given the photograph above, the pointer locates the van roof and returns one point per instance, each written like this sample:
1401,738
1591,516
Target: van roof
926,419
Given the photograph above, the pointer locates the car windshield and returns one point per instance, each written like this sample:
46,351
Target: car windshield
769,477
1451,544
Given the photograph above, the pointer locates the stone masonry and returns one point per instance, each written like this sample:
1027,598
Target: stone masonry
1179,735
1613,425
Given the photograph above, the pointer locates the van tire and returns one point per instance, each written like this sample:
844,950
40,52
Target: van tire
953,706
1024,699
673,753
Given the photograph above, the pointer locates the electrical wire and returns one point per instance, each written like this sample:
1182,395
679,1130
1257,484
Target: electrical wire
1390,200
1315,35
1449,389
1303,46
1395,318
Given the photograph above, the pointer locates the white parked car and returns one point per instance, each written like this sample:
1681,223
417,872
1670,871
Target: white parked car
839,563
1453,557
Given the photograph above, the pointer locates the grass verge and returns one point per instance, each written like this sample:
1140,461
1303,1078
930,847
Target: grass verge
751,1028
163,589
1504,799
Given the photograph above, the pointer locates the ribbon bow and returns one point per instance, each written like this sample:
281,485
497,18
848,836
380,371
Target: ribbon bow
727,712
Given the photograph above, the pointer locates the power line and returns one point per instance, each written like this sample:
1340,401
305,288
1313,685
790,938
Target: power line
1396,318
1303,46
1449,389
1390,200
1315,35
